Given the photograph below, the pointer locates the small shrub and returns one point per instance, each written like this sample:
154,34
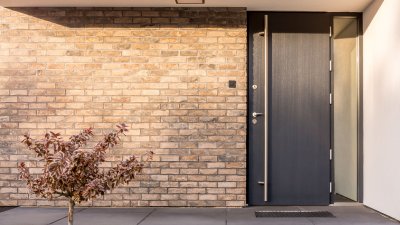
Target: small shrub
72,172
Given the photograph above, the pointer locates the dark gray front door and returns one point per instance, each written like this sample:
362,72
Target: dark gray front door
289,86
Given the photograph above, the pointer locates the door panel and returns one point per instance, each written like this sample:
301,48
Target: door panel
256,102
256,131
299,119
298,165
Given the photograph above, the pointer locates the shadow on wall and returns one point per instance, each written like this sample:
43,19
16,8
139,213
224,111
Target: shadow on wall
136,17
369,15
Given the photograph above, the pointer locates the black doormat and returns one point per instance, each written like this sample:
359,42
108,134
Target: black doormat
293,214
5,208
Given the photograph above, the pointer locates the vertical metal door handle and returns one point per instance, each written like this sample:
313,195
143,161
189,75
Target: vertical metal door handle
266,109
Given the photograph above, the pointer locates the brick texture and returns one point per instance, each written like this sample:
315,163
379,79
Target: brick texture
163,71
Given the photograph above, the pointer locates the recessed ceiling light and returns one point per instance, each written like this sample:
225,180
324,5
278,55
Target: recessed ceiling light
190,1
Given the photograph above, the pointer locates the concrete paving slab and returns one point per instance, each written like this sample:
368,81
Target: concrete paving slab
344,215
186,216
31,216
358,215
339,209
108,216
352,217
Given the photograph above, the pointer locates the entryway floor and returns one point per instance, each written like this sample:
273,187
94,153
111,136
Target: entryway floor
344,215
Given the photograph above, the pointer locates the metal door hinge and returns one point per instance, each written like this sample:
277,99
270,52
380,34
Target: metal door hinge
330,31
330,65
330,98
330,154
330,187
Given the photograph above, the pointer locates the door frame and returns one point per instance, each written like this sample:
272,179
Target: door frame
260,16
360,133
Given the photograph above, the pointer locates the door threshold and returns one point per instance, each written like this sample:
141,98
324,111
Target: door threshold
346,204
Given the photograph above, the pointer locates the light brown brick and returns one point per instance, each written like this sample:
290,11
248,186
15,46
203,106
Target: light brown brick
162,72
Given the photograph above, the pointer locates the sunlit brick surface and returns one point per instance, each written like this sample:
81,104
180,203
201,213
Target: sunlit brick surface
162,71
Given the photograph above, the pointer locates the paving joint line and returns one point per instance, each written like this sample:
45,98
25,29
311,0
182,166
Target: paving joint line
310,220
144,218
226,216
78,211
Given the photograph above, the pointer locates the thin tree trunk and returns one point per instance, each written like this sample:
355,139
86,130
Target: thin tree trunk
71,206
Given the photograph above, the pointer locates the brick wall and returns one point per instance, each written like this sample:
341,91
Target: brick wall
162,71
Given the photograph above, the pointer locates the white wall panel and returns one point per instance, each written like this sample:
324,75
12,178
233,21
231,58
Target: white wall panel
382,107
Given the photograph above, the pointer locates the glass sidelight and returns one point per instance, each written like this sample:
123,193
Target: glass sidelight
345,89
